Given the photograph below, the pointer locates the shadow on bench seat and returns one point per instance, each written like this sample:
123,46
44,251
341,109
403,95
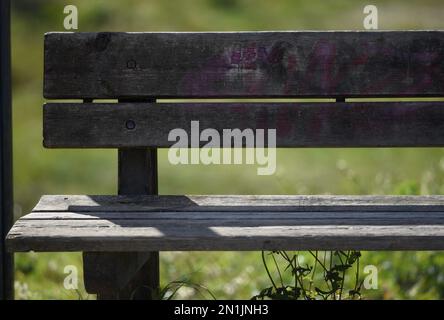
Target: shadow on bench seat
180,223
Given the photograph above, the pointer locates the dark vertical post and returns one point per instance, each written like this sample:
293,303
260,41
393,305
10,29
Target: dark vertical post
138,175
6,215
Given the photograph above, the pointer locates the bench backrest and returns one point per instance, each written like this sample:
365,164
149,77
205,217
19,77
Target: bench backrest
138,68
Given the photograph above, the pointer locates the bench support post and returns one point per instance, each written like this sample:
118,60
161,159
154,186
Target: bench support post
133,275
110,274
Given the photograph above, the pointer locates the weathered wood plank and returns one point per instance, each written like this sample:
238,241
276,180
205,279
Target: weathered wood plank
224,223
238,235
261,216
239,203
366,124
244,64
235,218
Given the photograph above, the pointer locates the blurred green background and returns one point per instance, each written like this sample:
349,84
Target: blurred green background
402,275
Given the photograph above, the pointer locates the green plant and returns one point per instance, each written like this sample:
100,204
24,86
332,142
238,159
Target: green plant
324,278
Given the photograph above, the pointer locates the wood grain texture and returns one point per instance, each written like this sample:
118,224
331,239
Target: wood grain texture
357,124
239,203
127,275
71,227
137,171
137,175
108,273
244,64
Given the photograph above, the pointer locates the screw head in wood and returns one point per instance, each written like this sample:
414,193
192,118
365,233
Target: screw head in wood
131,64
130,124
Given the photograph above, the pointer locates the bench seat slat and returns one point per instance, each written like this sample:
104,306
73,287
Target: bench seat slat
354,124
216,223
208,203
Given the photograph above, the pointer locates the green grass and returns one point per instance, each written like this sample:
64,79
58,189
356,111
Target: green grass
305,171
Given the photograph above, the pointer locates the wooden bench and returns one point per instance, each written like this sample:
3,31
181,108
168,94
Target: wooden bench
120,236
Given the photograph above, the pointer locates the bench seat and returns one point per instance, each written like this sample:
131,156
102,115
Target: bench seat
235,223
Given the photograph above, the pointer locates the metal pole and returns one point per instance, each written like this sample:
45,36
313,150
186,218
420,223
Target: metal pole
6,213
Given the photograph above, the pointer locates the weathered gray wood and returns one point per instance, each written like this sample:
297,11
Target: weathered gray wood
366,124
241,64
137,172
239,203
198,216
367,223
341,233
138,175
110,273
127,275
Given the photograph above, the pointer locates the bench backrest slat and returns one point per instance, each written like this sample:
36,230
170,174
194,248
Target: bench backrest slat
244,64
366,124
